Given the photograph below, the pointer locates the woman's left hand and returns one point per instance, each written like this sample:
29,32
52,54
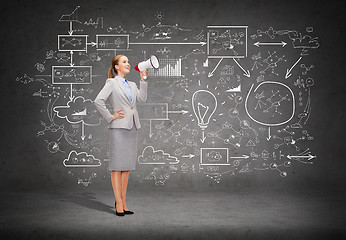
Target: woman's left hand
144,75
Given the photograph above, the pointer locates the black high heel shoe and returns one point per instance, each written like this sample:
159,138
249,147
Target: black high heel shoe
116,212
128,212
121,214
125,212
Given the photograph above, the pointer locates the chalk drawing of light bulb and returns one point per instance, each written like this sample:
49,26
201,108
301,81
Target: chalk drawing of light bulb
204,104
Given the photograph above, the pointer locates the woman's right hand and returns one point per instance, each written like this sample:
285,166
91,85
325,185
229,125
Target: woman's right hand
118,114
144,75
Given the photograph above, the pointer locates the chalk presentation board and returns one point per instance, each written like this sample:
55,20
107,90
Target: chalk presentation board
228,99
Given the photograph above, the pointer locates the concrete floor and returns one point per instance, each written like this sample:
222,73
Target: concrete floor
172,214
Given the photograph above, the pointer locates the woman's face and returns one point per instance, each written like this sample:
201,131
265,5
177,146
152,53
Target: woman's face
123,66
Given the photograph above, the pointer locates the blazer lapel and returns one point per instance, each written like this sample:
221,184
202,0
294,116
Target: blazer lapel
121,85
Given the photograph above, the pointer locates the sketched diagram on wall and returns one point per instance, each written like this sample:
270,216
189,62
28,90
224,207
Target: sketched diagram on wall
71,74
240,93
279,96
152,156
227,41
204,104
79,110
214,156
81,160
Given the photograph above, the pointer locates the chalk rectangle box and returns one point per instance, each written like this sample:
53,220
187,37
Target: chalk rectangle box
68,43
71,75
153,111
229,41
112,42
214,156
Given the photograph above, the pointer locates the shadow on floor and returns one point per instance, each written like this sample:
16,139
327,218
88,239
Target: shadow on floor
87,200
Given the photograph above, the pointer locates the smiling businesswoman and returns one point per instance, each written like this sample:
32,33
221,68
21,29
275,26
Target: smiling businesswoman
123,125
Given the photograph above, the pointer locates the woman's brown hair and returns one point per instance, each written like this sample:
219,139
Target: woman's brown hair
114,62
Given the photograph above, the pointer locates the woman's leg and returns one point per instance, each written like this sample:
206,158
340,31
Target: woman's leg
116,183
124,181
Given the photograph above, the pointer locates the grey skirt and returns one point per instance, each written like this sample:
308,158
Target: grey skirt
122,149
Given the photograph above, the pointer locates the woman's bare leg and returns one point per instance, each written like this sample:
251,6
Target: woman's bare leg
116,183
124,181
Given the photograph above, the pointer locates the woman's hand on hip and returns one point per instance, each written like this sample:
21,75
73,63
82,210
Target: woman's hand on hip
118,114
144,75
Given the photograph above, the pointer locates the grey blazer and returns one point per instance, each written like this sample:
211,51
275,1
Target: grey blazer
115,91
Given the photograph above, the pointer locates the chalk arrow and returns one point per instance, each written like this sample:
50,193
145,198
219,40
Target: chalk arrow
282,43
288,71
211,73
93,44
246,73
83,135
309,157
71,62
244,156
71,96
269,136
150,133
181,111
188,156
71,30
203,137
170,43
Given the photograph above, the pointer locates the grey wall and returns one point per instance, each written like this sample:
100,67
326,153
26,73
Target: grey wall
31,29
